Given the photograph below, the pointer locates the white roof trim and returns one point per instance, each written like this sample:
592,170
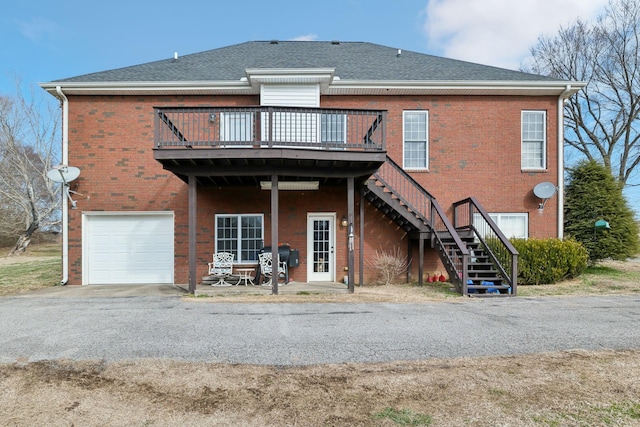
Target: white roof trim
457,85
335,87
289,76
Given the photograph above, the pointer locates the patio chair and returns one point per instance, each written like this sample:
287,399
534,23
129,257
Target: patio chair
221,268
266,267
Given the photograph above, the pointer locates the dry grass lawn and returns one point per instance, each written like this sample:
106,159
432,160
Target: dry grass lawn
573,388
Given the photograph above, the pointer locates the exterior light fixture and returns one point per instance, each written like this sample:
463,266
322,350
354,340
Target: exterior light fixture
344,221
292,185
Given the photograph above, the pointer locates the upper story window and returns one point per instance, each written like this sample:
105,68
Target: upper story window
333,128
415,132
534,140
241,235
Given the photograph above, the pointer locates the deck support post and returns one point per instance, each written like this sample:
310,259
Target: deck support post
275,255
421,260
350,237
409,258
193,270
361,243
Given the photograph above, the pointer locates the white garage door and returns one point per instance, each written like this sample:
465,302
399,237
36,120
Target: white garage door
127,249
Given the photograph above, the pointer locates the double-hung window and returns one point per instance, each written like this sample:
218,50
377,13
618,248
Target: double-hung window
415,131
242,235
333,128
534,140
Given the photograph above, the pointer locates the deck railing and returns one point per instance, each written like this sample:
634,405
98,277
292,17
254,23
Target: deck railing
267,127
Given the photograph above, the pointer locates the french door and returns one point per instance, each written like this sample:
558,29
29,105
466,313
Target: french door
321,247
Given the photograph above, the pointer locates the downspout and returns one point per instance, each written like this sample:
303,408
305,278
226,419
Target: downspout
561,101
65,205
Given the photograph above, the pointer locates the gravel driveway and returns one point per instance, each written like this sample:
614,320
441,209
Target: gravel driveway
117,328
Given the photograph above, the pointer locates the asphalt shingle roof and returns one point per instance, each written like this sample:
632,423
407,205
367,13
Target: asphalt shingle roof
351,61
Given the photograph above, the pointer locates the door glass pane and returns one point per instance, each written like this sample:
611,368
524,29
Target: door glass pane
321,246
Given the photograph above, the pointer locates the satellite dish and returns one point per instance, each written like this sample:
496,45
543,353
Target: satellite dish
63,174
544,190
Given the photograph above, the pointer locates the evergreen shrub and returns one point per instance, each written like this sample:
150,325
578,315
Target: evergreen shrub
545,261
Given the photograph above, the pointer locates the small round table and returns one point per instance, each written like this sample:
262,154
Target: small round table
245,276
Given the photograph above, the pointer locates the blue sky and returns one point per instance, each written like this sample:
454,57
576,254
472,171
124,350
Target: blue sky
45,40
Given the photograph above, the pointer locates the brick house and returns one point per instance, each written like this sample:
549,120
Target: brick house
333,150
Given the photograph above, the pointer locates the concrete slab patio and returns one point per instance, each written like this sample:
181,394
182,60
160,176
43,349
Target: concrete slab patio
295,288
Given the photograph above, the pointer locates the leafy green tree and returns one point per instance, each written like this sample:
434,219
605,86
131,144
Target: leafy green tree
592,194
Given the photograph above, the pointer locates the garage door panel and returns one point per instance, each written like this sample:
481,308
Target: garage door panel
129,249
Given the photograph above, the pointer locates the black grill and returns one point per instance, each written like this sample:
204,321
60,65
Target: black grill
284,251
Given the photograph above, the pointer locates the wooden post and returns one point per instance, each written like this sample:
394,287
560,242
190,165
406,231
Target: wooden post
409,258
421,260
350,237
193,270
275,256
361,247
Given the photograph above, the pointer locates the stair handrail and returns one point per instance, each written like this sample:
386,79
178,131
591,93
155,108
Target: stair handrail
503,254
457,263
425,206
407,189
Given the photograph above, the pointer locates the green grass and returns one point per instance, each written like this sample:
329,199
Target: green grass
30,275
404,417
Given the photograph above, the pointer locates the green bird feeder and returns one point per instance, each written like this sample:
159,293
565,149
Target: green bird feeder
601,224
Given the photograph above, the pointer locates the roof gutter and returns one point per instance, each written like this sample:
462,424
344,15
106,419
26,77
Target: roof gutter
561,99
337,86
65,205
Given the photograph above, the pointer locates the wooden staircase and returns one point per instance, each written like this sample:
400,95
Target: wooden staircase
483,277
471,262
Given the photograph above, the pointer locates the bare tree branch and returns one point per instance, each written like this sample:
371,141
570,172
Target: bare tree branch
28,135
601,120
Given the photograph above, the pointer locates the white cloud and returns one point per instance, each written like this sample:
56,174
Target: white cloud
499,32
305,38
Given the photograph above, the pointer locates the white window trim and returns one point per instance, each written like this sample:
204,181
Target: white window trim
413,168
239,238
544,141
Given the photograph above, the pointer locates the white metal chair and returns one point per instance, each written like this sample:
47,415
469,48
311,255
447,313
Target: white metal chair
221,268
266,267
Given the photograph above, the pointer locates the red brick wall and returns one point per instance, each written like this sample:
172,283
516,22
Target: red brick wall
474,150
